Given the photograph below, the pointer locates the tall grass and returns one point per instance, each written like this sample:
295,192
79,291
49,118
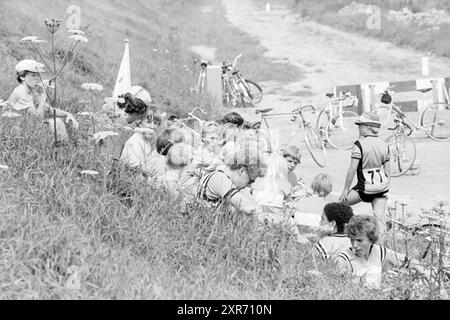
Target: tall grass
64,236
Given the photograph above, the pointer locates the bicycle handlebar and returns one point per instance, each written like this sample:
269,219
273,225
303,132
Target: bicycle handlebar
197,108
236,60
300,109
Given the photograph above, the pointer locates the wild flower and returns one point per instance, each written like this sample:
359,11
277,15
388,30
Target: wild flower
121,100
39,41
79,38
74,31
85,114
29,38
92,86
4,167
99,136
89,172
315,273
9,114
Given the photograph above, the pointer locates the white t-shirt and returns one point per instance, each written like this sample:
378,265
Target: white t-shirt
137,152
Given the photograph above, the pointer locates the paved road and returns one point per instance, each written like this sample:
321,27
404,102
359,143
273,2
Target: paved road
329,57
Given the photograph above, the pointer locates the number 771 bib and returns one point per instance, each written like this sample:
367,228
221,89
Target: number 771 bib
376,180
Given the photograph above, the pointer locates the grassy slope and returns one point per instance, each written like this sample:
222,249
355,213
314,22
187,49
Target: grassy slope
325,11
161,33
52,218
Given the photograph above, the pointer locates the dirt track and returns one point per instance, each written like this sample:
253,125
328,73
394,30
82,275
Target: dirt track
327,58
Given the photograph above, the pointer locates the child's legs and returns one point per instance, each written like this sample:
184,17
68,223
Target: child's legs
352,198
379,208
60,128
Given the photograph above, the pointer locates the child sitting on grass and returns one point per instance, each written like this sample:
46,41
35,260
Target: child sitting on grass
293,156
271,192
30,96
366,260
309,209
335,218
207,154
178,158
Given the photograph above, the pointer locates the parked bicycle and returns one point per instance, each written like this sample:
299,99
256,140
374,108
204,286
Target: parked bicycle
193,123
238,89
312,138
337,125
433,121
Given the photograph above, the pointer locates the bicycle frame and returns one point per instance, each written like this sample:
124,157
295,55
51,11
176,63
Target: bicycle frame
293,116
340,108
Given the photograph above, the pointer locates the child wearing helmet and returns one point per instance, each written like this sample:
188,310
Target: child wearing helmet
31,97
370,163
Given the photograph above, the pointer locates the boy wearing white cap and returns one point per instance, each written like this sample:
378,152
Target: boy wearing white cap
370,162
29,96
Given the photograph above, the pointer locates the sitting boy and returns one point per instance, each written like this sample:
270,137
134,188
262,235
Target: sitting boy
293,156
242,166
335,218
178,158
309,209
31,97
365,259
207,154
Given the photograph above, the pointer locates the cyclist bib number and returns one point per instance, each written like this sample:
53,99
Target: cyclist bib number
376,180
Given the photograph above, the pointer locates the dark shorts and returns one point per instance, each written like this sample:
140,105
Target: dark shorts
370,197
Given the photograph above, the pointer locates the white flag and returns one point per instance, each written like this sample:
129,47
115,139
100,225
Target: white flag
123,82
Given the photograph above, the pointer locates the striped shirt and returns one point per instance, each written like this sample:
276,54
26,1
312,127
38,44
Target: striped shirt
370,270
330,247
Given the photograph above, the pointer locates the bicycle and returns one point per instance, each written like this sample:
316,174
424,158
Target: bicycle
189,121
402,145
336,125
312,138
237,88
434,122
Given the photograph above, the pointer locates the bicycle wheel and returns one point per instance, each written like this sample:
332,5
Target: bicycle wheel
253,91
342,132
403,154
426,245
322,123
231,95
435,120
315,146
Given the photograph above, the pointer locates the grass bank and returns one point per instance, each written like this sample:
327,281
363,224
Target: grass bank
63,236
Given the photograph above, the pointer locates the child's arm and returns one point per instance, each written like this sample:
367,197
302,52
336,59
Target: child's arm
351,172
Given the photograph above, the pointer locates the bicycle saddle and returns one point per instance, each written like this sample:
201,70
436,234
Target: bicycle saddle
263,111
425,90
330,95
252,125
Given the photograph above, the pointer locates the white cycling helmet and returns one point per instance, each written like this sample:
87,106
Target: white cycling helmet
142,94
30,65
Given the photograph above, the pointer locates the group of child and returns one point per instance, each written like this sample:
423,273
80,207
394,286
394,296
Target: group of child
231,166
